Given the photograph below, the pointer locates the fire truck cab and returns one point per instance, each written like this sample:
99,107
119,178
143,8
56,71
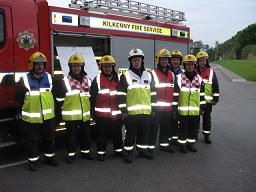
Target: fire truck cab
92,29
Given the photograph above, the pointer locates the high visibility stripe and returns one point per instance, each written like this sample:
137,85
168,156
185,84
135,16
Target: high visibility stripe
189,108
122,105
73,112
202,94
176,94
104,110
191,140
142,146
208,97
104,91
49,154
50,79
138,107
113,93
116,112
164,85
42,90
174,103
151,147
206,131
155,77
98,82
118,150
164,144
202,102
73,92
185,89
85,94
85,151
33,93
86,113
60,99
121,93
68,85
153,104
25,80
153,93
174,137
216,94
128,148
163,104
33,159
101,152
182,141
138,86
31,114
71,154
46,111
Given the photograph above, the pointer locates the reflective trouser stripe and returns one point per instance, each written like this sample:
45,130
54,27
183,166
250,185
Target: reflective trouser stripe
151,147
191,140
128,148
142,146
49,154
182,141
206,131
71,154
101,152
85,151
33,159
118,150
164,144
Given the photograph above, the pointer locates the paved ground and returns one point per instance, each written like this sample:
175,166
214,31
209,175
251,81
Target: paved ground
228,165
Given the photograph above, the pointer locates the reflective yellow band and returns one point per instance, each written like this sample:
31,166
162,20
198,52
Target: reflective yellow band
138,107
31,114
128,148
189,108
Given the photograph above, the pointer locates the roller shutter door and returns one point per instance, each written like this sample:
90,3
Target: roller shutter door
170,45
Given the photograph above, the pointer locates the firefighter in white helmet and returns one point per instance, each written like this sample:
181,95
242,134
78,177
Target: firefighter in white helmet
136,94
191,100
38,118
104,104
76,108
166,102
211,92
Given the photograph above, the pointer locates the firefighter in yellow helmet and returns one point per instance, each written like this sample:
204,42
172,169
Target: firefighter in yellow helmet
191,100
38,118
166,102
76,108
211,92
176,60
105,108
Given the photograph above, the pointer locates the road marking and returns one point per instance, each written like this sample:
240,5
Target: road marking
13,164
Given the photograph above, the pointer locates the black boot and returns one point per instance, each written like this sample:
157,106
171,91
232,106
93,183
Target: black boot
128,156
52,161
71,159
88,156
190,147
183,148
151,153
101,157
145,155
167,149
118,153
174,142
33,165
207,139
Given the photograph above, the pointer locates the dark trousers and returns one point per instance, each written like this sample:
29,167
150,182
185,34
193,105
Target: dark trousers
78,132
187,129
137,130
109,129
174,128
34,132
164,120
207,119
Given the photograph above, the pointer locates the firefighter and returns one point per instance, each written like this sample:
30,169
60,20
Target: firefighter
134,97
191,99
105,106
176,60
165,84
211,92
34,93
76,108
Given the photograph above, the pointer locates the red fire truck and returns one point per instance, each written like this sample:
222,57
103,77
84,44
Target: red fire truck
91,28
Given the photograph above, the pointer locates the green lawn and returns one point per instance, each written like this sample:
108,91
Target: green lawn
243,68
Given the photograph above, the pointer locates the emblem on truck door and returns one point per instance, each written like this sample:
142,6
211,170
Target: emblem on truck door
26,40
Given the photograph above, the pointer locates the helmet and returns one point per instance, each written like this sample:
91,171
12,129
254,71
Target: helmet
202,54
162,53
36,57
107,59
135,53
176,53
189,58
76,59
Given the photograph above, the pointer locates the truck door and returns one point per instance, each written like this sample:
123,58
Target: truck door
7,80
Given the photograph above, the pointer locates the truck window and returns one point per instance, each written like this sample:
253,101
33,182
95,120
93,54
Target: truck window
2,29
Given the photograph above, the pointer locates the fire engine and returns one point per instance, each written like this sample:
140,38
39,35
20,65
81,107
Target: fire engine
90,28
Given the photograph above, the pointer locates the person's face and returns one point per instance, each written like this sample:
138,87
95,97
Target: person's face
189,67
107,69
76,68
163,61
202,62
39,67
136,62
175,63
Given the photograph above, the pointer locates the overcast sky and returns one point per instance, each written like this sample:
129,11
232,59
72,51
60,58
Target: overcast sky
209,20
